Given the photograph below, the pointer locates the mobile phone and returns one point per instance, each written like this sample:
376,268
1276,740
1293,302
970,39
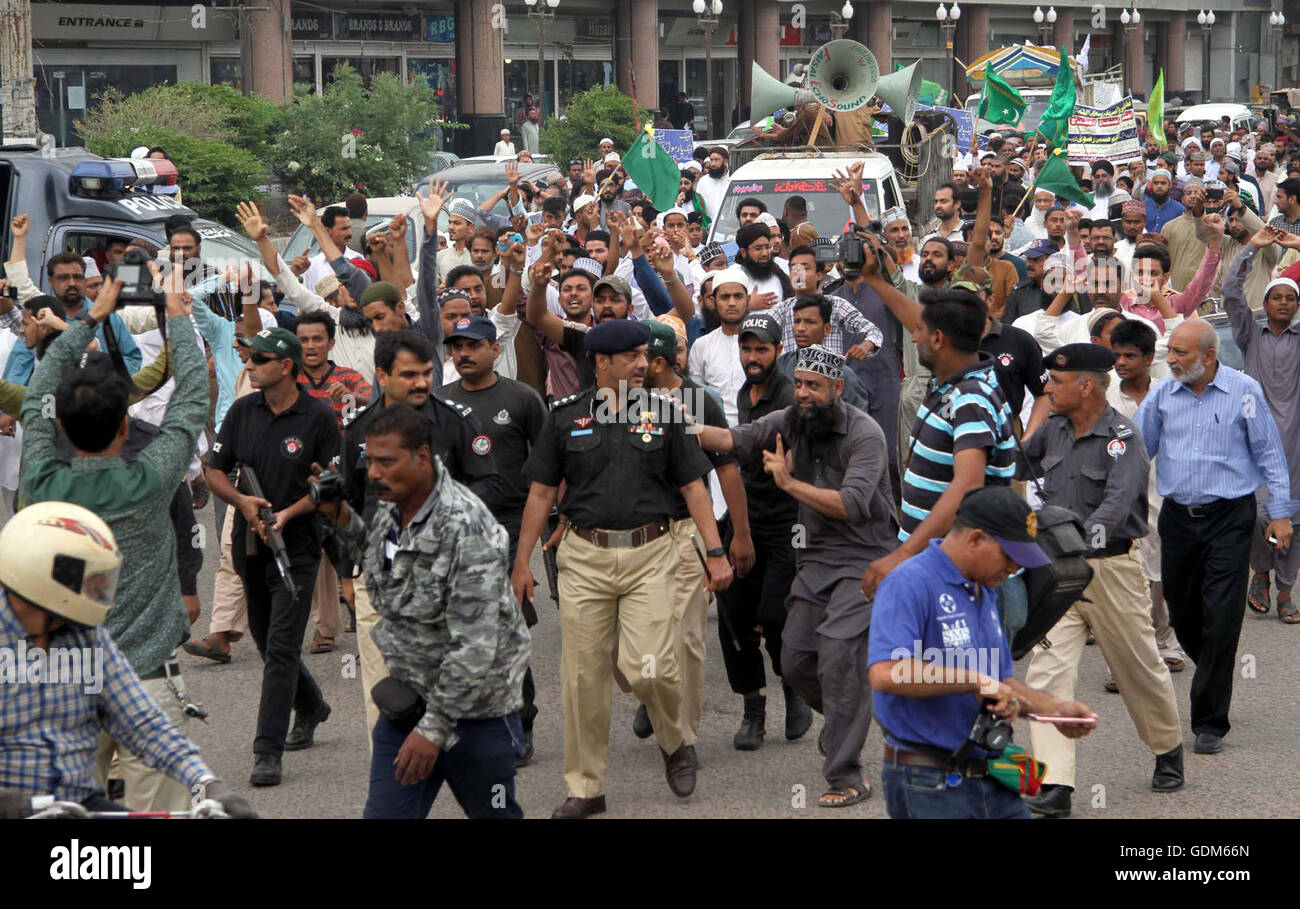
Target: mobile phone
1064,720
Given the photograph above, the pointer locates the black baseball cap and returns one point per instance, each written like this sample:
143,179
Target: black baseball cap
1007,517
763,326
476,328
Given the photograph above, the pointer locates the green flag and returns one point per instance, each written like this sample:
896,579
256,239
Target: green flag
1156,111
1055,123
654,170
1056,177
931,93
999,102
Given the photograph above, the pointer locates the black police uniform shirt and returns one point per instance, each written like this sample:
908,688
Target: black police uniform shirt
281,449
1017,360
458,441
574,343
1101,476
771,510
512,416
692,394
619,474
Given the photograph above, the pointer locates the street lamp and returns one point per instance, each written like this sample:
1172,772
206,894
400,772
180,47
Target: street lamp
538,11
948,25
1130,19
841,25
1045,23
1205,19
1276,22
707,13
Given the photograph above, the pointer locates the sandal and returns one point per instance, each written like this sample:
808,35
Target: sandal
203,647
320,644
821,742
1286,610
847,795
1257,597
1175,664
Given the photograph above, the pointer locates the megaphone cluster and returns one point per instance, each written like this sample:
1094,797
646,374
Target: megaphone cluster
842,75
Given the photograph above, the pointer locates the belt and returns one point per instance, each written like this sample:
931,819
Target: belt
161,671
622,539
916,759
1113,548
1209,508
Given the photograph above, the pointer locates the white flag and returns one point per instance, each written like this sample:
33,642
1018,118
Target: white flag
1082,59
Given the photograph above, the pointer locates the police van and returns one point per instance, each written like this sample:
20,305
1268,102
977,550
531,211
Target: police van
79,202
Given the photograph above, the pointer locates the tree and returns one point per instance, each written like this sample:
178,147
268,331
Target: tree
377,141
595,114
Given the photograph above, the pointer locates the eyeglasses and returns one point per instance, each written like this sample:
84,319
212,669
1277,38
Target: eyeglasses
261,359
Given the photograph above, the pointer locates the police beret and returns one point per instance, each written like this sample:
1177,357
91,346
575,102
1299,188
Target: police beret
617,335
1080,357
381,290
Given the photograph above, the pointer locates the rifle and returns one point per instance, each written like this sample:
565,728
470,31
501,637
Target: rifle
274,541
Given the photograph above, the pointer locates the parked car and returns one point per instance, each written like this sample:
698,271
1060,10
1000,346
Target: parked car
379,212
441,160
481,181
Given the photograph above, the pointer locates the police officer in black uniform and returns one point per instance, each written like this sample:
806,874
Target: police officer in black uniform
279,432
621,453
1093,462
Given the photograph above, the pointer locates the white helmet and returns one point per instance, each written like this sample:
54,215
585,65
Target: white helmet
61,558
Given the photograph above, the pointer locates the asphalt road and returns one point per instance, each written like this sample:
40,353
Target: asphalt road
782,779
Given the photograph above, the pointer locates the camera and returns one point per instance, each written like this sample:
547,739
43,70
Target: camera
10,292
850,252
137,281
329,488
990,732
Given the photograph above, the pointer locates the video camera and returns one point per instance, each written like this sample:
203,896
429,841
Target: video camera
137,281
848,249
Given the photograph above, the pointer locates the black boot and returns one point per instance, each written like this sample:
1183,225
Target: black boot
1169,771
1051,801
753,726
798,715
641,726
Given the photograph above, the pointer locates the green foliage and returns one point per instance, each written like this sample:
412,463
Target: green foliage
215,176
591,116
377,141
180,110
253,121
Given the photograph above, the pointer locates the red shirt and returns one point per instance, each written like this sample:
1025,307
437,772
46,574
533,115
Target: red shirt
358,390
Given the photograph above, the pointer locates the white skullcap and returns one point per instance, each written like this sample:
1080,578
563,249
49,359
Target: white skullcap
732,274
92,270
582,202
604,140
140,151
1281,282
767,219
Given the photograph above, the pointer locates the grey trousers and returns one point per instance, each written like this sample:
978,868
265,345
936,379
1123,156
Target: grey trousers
831,675
1264,558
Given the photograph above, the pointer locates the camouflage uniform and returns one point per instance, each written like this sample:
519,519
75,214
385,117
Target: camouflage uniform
449,626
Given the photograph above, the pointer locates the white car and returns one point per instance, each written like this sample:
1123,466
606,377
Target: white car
379,212
1238,114
773,177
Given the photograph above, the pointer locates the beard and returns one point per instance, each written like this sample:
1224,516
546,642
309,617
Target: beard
711,318
1190,375
717,173
930,273
817,422
760,271
758,378
1159,197
353,322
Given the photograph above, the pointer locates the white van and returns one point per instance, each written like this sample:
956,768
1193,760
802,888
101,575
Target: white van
1238,115
773,177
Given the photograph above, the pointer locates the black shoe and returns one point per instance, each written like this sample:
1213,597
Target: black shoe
574,807
303,733
679,771
1208,743
266,770
753,726
798,715
695,758
1169,771
641,727
524,753
1051,801
115,790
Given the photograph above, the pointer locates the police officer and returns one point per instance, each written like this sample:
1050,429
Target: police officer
832,458
1095,465
621,454
404,372
279,433
938,657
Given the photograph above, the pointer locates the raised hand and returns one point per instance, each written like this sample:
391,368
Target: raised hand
251,220
19,227
397,228
432,201
303,210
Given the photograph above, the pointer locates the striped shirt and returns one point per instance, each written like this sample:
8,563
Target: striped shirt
845,319
49,730
358,395
968,411
1220,444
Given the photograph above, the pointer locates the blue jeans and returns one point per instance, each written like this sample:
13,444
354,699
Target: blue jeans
480,769
921,792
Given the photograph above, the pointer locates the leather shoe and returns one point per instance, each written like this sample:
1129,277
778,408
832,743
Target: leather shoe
574,808
679,771
303,733
524,751
641,726
753,725
1208,743
1051,801
798,715
266,770
1169,771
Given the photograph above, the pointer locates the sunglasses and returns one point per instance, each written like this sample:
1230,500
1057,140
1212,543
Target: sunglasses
261,359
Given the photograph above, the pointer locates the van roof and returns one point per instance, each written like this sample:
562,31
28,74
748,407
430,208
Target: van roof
1214,112
811,163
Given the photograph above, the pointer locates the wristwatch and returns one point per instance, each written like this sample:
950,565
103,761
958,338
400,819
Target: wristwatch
89,320
716,552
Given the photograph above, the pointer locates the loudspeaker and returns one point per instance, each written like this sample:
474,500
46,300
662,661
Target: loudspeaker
842,75
901,90
769,94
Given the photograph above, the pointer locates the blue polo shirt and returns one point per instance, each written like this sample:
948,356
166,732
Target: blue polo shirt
926,609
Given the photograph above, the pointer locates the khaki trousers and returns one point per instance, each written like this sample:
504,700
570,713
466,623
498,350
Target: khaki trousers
146,789
691,615
325,601
229,611
373,668
1120,617
611,598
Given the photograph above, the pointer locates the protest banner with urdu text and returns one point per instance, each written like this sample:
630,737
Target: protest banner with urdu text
1104,133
